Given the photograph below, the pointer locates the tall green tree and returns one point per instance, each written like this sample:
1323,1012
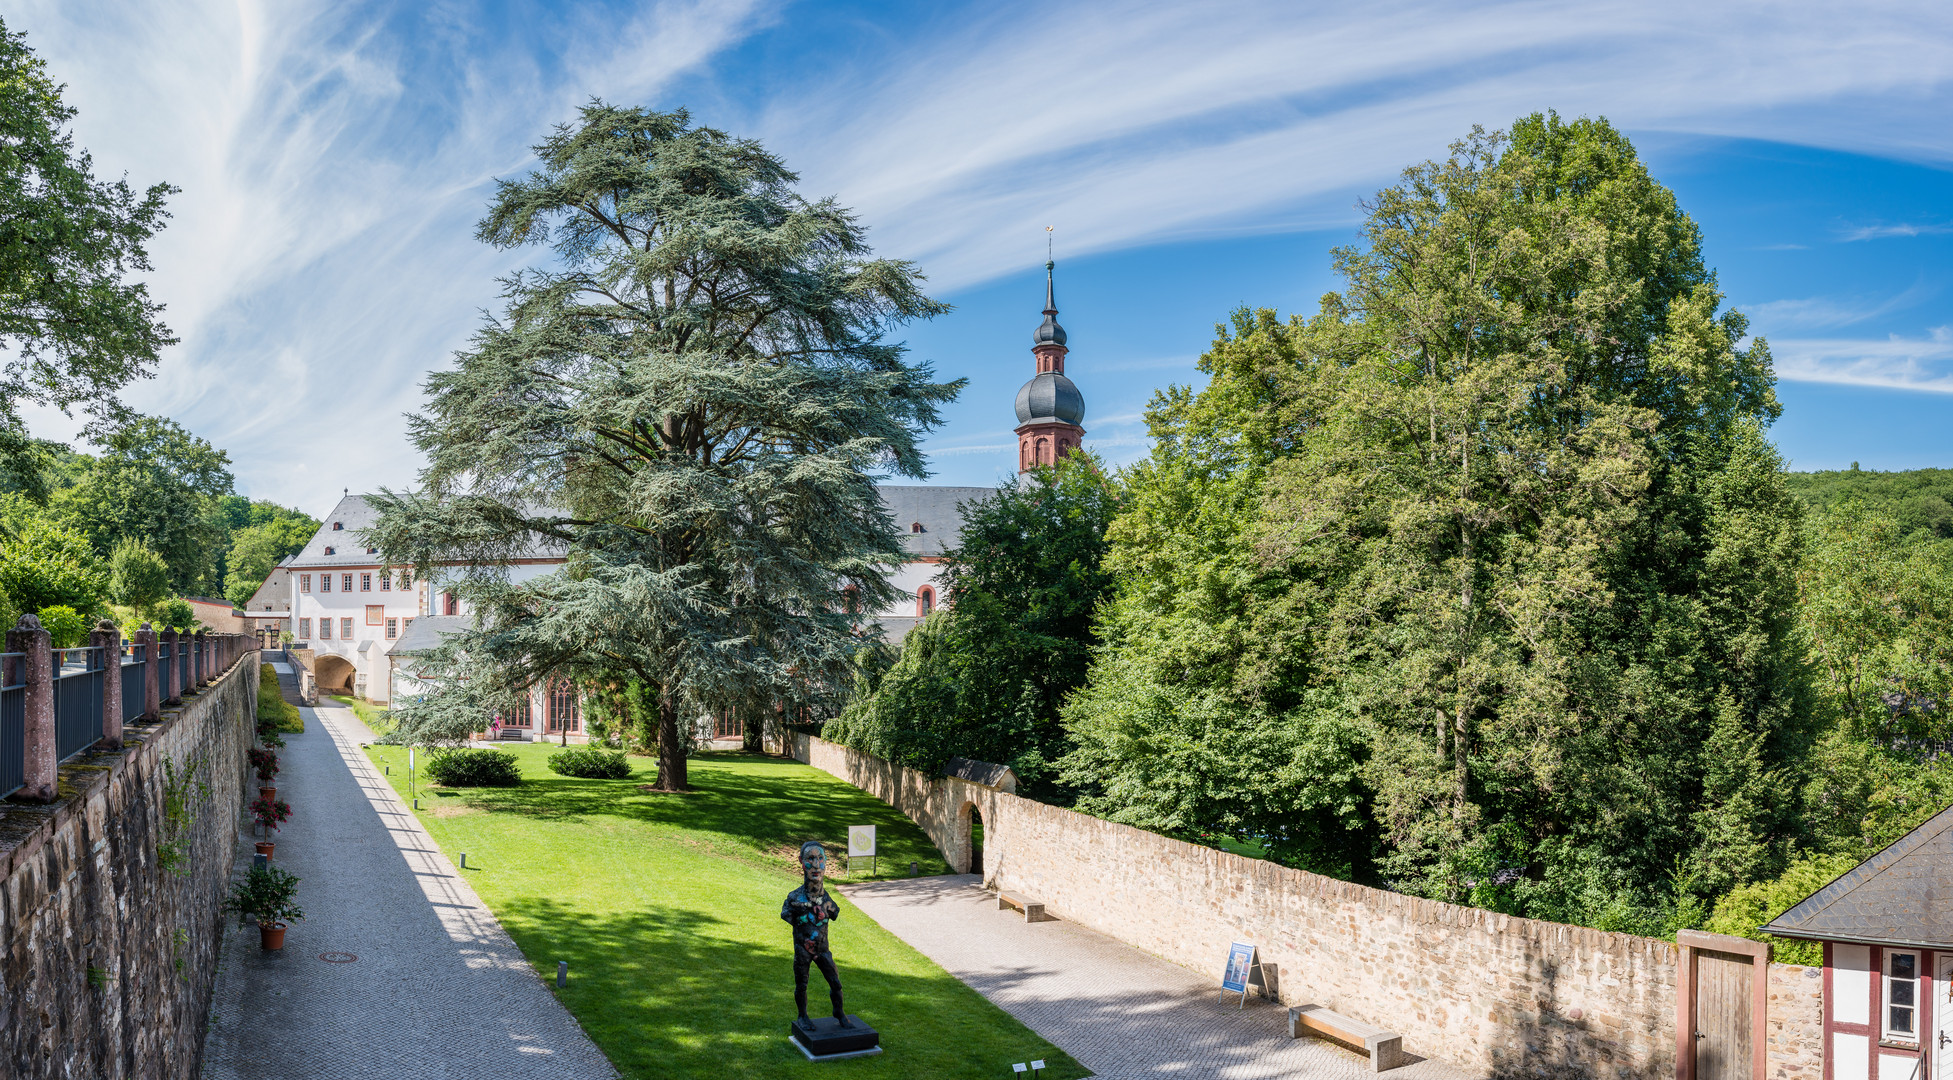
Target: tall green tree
160,486
138,577
986,677
1500,518
694,403
75,328
272,534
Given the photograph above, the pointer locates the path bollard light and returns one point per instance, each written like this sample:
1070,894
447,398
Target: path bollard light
914,869
464,860
562,974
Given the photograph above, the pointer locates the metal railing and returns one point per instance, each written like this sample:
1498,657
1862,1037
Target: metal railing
184,668
135,667
13,722
78,701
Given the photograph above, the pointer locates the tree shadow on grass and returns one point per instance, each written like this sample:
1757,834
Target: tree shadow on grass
674,993
764,805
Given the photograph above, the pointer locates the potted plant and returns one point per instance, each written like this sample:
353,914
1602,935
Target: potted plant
268,735
267,895
266,763
270,812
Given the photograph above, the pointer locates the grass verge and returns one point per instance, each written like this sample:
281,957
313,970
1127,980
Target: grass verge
272,705
667,908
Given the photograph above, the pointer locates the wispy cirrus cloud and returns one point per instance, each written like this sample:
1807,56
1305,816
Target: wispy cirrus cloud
334,156
1886,232
1820,312
1895,362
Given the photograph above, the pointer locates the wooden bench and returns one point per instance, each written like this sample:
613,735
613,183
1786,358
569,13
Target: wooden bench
1386,1048
1033,909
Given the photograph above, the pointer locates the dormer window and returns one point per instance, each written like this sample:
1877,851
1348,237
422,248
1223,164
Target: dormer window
328,551
336,526
915,526
372,551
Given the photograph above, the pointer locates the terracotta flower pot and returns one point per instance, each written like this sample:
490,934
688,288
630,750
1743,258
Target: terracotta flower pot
272,937
264,848
270,794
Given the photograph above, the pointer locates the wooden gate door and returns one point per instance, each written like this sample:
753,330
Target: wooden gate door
1721,997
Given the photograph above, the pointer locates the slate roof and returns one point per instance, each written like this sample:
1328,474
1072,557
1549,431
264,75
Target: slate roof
982,772
934,508
1900,896
354,514
425,633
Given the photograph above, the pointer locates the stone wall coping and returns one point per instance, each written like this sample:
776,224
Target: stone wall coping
26,827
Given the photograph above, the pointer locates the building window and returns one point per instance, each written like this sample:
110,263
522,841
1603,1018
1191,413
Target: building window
304,583
1902,995
925,601
366,583
346,629
305,628
450,604
325,582
325,629
329,551
345,583
393,629
386,581
915,526
407,578
336,526
375,614
372,551
563,713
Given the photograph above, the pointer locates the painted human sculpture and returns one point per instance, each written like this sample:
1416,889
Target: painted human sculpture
808,910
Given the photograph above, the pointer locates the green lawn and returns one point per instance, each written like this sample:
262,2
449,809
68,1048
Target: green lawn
668,909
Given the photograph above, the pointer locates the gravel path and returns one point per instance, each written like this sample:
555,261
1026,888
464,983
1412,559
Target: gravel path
1121,1012
437,992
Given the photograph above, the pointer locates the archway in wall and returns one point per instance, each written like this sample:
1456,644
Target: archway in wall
334,673
976,841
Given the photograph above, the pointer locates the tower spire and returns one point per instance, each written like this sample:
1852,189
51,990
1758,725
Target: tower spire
1050,297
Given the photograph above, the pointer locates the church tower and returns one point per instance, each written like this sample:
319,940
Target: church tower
1049,407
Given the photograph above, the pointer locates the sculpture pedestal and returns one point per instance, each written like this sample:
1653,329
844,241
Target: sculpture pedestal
823,1038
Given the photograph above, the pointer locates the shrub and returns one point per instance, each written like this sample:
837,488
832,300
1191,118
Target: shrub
474,768
1747,907
175,614
274,712
64,625
590,763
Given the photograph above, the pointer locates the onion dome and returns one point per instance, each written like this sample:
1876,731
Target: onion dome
1049,332
1050,396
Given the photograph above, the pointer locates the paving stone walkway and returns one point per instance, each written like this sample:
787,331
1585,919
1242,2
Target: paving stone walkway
1121,1012
437,992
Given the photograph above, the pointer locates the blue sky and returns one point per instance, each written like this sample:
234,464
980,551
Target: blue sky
1191,158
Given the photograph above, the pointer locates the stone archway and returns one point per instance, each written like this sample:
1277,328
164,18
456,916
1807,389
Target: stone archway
334,674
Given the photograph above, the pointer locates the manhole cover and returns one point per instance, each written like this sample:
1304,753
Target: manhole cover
337,957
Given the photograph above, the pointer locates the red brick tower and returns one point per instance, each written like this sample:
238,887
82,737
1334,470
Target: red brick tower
1049,407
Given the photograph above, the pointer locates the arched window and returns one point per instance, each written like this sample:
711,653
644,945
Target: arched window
851,599
915,526
1043,455
925,602
564,714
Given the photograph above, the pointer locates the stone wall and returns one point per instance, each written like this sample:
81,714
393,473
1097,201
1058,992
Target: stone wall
1794,1031
108,958
1501,995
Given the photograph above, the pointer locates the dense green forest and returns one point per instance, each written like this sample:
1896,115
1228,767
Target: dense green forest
1484,582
